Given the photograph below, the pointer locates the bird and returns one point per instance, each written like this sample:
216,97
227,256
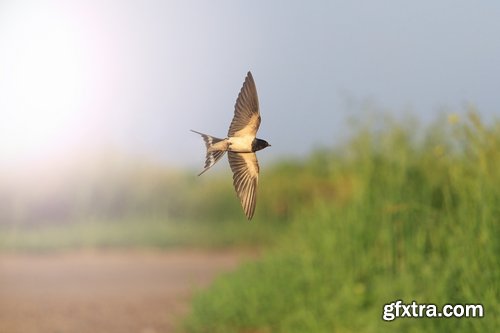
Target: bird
240,144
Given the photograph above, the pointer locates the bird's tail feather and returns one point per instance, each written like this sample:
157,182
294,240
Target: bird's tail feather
212,155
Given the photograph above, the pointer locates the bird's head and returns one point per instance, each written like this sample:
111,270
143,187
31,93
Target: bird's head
259,144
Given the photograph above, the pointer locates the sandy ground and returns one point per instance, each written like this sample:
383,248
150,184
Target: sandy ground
143,292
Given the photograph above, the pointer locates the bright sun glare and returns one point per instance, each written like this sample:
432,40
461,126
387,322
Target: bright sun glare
41,84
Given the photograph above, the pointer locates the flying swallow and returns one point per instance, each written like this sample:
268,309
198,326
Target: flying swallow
241,144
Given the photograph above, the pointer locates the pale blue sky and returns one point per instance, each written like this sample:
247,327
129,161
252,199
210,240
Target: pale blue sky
137,75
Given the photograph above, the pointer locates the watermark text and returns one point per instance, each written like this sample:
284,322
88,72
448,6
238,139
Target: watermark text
398,309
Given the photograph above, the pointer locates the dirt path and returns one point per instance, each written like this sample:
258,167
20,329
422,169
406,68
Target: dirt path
143,292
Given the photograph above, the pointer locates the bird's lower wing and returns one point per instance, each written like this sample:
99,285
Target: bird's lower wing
245,169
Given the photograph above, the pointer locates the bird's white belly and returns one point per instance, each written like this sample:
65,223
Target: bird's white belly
241,144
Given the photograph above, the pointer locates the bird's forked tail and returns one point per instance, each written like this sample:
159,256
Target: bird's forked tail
212,155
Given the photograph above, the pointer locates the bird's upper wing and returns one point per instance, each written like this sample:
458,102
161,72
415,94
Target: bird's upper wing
246,120
245,179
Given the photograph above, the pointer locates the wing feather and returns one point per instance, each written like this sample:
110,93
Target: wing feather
245,169
246,119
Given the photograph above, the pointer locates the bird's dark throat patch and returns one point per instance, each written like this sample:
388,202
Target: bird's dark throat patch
259,144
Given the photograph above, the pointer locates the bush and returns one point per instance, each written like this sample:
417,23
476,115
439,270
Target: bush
389,216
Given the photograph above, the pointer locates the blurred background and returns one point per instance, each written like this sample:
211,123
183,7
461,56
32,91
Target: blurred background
382,182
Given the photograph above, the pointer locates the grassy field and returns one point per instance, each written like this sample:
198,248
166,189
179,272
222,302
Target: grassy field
396,214
122,203
135,233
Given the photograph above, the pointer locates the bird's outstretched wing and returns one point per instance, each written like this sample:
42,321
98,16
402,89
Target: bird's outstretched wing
246,120
245,169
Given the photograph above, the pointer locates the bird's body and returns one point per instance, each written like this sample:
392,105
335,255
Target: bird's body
241,145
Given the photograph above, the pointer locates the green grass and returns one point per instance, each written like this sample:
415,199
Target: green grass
135,233
397,214
115,202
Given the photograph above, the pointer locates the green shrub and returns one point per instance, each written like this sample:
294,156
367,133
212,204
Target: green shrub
395,216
